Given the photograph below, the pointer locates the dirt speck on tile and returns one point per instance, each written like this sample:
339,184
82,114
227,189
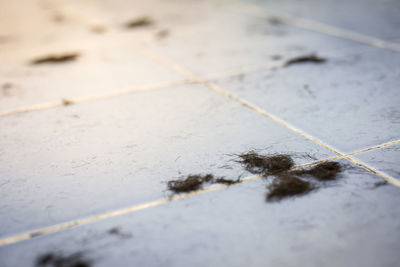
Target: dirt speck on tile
139,22
116,231
379,184
55,59
276,57
162,34
286,185
308,91
58,259
192,182
58,18
274,21
35,234
98,29
323,172
4,38
270,164
67,102
305,59
6,86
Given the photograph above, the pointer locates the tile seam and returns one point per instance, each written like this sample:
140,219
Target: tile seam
134,208
219,90
316,26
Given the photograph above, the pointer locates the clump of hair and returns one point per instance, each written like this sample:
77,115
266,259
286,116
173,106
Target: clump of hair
286,185
191,183
325,171
222,180
55,59
259,164
139,22
305,59
56,259
195,182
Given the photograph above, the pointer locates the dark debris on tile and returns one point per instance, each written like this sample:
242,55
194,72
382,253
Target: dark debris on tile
55,59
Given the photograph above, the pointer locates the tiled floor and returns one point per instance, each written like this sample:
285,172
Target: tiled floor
205,81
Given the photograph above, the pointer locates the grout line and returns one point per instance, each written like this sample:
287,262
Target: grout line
70,224
298,131
207,77
243,70
31,108
67,225
298,22
91,98
315,26
245,103
259,110
396,181
211,76
374,147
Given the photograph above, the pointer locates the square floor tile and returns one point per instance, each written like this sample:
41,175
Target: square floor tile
111,66
386,160
331,226
349,102
228,41
375,18
69,162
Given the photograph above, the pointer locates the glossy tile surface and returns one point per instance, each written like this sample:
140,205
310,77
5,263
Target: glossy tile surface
348,102
236,227
84,159
106,63
87,146
231,41
374,18
386,160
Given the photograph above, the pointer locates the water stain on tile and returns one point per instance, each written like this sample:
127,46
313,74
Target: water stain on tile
266,165
287,185
139,22
305,59
55,59
58,259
